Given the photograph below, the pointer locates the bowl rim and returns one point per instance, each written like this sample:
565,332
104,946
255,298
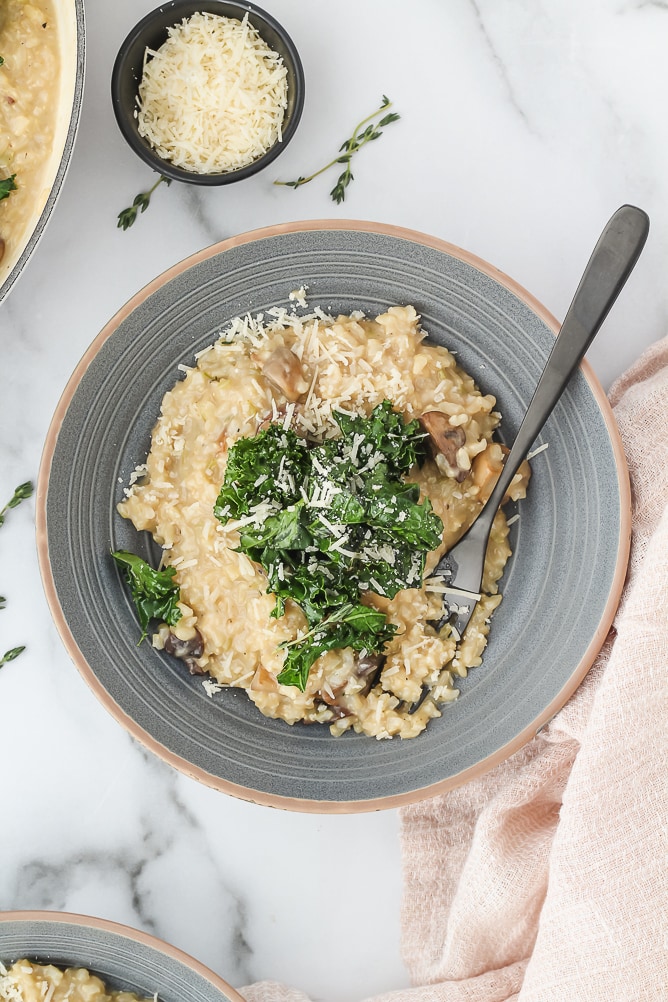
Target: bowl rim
143,149
66,155
392,801
127,932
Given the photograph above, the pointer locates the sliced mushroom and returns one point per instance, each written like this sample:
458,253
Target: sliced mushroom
284,371
187,651
336,710
329,695
368,664
369,668
339,712
448,441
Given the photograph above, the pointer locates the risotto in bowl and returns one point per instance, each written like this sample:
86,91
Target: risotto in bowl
351,454
258,463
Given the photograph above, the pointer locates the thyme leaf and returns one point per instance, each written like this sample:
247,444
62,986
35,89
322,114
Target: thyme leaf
141,202
22,492
359,138
10,655
357,626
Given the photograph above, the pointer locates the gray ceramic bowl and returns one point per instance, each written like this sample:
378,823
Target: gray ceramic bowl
70,17
151,32
560,589
125,959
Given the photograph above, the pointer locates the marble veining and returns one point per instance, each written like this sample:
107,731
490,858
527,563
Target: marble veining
162,866
499,62
524,126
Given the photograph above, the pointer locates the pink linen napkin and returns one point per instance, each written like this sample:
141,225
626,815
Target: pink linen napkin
547,878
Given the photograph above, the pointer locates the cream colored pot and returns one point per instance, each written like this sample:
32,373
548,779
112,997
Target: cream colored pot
42,44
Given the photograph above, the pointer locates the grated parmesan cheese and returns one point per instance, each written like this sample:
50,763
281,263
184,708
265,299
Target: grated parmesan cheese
211,687
9,989
299,295
212,98
537,452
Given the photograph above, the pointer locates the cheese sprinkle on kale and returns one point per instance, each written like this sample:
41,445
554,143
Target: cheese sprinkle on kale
330,521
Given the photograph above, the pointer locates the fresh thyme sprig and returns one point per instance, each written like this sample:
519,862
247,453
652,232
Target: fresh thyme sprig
140,204
357,140
10,655
22,492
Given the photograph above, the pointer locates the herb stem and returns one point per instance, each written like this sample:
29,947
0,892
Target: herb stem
337,158
154,186
347,149
140,203
10,655
22,492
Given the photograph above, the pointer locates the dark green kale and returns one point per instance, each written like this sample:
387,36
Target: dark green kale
384,431
328,522
154,593
356,626
255,468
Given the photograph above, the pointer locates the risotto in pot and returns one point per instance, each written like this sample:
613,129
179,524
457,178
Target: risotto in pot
29,87
303,480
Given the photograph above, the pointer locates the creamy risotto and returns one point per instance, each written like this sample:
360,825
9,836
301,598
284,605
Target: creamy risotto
29,982
307,378
28,97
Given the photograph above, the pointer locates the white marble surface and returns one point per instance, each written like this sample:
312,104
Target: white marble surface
524,125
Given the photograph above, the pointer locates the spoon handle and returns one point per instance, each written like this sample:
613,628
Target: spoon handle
608,268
